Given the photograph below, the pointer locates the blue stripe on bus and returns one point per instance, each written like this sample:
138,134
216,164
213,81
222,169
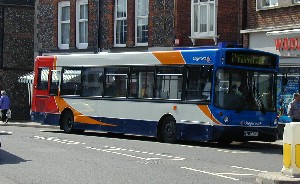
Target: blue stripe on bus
190,132
195,57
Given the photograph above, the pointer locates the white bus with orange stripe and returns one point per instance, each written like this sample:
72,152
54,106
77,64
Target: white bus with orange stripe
210,95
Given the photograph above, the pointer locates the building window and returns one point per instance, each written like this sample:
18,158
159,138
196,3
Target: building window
82,24
203,19
297,1
141,29
120,23
63,24
264,4
269,3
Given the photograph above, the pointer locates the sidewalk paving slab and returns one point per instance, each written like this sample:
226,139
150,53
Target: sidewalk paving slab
275,178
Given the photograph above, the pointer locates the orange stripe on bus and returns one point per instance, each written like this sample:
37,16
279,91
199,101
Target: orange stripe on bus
54,62
78,117
173,57
206,111
88,120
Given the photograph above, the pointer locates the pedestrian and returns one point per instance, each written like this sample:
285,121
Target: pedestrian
4,106
294,108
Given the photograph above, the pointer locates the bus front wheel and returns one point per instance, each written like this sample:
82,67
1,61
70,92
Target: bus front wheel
168,130
67,122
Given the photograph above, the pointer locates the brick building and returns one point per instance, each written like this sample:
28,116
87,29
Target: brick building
135,25
274,26
16,51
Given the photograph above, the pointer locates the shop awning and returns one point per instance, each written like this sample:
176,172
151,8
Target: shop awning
27,78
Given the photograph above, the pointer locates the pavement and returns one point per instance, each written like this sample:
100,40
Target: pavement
263,178
26,124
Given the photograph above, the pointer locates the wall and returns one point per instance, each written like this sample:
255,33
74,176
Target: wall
272,17
47,26
16,55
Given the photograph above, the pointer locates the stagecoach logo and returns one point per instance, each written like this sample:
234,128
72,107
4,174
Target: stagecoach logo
207,59
250,123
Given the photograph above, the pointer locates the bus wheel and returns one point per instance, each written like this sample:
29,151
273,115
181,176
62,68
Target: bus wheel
168,130
67,122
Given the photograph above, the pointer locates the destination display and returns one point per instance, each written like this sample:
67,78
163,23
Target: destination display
242,58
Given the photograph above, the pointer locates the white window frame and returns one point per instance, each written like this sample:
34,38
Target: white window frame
145,5
211,21
262,4
61,5
79,4
272,3
116,19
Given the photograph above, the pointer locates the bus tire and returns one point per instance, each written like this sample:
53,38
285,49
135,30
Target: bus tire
168,130
67,122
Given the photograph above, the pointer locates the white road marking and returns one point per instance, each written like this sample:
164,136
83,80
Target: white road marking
178,159
234,152
210,173
237,174
55,139
153,158
5,132
245,168
116,150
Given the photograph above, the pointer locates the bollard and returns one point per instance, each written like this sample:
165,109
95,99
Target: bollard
291,150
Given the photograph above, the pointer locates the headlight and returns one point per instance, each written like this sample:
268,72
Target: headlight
276,121
226,119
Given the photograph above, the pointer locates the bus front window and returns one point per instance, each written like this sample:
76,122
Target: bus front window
245,90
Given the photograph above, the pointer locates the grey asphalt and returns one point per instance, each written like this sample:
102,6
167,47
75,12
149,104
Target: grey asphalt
264,178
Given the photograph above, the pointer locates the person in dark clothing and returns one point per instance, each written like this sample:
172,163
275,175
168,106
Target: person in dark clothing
4,106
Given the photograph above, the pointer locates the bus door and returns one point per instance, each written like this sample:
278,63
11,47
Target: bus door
46,87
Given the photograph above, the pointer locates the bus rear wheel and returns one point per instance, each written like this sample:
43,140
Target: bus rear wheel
168,130
67,122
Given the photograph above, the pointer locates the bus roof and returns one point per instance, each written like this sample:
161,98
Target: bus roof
176,57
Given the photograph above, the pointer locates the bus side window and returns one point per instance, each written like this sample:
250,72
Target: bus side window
199,83
92,81
55,76
43,74
141,83
116,82
71,82
206,90
169,82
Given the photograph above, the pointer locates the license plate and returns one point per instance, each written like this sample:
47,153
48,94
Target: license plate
250,133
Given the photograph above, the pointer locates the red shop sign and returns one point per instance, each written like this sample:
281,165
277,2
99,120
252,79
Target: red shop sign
287,43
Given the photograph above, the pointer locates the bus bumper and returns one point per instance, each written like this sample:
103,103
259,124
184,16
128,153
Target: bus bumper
266,134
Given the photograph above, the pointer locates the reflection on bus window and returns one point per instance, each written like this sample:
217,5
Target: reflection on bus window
169,82
199,83
55,76
43,74
116,82
92,81
244,90
141,82
71,82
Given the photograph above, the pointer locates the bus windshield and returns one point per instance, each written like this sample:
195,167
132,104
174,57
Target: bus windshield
245,90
